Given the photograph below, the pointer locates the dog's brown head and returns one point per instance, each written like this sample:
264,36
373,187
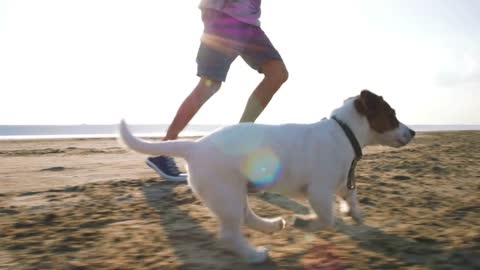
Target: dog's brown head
383,120
380,115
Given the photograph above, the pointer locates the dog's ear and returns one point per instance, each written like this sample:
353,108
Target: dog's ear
367,103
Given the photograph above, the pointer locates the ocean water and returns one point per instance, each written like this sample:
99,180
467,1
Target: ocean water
421,128
19,132
11,132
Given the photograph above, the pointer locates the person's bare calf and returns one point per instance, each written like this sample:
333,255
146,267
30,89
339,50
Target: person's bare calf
204,90
276,74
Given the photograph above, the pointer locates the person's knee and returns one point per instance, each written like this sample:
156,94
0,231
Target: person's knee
209,85
275,71
206,88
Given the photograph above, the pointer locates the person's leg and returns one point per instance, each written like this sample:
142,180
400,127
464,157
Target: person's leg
275,75
165,166
213,63
191,105
218,49
260,54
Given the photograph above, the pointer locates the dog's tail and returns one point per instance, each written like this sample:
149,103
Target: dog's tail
168,148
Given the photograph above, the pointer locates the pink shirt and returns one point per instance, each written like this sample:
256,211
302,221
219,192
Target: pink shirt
247,11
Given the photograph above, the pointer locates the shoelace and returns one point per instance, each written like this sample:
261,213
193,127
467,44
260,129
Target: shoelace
171,166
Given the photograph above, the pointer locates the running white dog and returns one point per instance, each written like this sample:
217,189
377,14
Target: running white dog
313,160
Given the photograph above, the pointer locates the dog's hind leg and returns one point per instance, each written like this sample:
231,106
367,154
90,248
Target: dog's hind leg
266,225
232,238
227,200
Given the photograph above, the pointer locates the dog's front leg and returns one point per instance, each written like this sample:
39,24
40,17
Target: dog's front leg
354,209
321,201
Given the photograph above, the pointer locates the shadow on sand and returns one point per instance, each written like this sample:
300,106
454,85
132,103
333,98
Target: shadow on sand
186,236
191,241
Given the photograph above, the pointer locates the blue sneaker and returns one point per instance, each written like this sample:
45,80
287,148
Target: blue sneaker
167,168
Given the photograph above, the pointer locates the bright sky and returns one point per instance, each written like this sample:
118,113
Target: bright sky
97,61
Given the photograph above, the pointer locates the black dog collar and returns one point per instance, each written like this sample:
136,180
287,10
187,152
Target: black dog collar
356,148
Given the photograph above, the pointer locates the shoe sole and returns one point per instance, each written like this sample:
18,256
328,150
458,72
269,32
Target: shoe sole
180,178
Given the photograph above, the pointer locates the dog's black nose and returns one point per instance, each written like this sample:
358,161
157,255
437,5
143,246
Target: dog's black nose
412,133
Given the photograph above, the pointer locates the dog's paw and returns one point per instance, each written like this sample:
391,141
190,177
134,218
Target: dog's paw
273,225
357,216
258,255
278,223
270,225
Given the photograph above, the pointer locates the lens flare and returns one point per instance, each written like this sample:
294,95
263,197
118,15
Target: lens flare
208,83
262,167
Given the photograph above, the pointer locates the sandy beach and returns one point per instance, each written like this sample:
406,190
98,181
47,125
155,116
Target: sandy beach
89,204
